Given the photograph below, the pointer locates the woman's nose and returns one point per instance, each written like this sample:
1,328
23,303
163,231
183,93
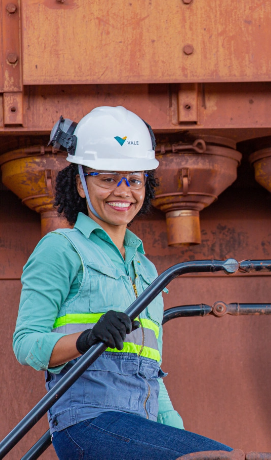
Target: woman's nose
122,188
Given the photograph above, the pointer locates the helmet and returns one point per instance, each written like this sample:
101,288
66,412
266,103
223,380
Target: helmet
113,139
62,129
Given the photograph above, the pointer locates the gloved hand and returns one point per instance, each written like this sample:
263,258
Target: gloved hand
110,329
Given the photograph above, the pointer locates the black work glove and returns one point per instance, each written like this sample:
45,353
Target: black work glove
110,329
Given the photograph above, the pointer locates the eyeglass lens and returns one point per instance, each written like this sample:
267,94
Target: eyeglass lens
135,180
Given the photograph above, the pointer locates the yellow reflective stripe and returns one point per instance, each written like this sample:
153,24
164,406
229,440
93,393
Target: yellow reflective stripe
77,318
93,318
147,352
148,324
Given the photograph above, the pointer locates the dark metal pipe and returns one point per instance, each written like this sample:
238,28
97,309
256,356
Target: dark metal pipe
185,311
229,266
247,266
35,452
237,309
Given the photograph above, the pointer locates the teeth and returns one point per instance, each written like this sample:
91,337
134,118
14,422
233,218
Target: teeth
119,205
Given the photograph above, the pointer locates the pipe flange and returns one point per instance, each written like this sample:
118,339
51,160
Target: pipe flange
219,308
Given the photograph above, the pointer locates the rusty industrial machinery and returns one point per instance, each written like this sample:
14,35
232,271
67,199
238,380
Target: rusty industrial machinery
190,178
198,71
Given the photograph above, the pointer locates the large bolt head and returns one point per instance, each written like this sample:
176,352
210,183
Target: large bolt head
12,58
11,8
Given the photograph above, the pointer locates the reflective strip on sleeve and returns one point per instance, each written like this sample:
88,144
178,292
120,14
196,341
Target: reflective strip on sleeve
78,322
77,318
93,318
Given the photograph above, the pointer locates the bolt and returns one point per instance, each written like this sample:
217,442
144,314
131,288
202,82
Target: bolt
13,109
60,1
187,2
12,58
188,49
11,8
219,307
187,107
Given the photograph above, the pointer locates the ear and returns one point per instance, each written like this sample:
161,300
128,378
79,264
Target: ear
79,186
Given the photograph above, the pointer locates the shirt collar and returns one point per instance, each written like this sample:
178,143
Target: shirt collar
86,226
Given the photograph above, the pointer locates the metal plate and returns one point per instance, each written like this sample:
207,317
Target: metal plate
141,41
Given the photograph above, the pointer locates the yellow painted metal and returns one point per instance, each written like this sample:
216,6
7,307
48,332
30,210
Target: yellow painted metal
141,41
31,174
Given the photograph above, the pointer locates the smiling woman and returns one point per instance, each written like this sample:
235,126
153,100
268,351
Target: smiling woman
78,283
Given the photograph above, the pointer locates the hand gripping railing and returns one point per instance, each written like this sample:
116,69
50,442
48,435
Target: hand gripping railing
228,266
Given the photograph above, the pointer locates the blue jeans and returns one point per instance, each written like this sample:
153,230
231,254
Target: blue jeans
123,436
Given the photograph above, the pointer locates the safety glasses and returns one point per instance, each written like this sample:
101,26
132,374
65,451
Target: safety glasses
111,180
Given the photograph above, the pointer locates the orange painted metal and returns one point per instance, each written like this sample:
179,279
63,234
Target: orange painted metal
234,110
189,182
13,108
142,42
219,369
154,58
188,103
10,50
31,174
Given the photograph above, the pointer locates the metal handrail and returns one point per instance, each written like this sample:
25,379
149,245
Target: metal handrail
218,309
229,266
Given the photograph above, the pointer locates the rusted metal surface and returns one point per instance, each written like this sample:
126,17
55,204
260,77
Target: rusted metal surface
188,103
183,226
221,308
11,8
261,161
247,266
198,146
31,174
236,454
234,111
10,49
188,183
218,309
50,221
188,49
204,357
230,44
13,108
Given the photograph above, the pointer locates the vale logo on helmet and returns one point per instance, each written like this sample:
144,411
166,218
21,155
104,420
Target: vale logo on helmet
121,141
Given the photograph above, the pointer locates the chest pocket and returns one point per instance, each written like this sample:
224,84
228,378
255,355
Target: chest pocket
108,289
155,309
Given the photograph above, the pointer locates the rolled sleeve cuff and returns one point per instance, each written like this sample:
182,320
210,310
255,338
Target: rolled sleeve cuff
40,353
171,418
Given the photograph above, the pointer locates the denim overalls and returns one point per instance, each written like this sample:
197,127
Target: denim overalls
118,380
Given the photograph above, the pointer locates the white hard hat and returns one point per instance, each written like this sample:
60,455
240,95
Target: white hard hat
113,139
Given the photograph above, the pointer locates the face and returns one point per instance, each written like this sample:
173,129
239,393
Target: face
115,207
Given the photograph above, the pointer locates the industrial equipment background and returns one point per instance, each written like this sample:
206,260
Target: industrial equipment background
198,71
229,266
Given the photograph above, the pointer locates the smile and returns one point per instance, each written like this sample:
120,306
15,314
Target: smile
118,204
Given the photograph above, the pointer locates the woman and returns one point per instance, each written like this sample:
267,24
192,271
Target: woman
76,286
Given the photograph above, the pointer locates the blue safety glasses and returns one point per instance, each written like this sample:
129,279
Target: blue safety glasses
111,180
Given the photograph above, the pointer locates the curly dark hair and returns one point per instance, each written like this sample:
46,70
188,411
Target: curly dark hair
69,203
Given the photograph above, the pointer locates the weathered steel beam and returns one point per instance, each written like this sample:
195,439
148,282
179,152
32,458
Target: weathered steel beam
238,111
